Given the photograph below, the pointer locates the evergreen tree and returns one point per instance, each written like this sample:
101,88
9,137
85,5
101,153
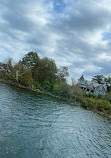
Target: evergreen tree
30,59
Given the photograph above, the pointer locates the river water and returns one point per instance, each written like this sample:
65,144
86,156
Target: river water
38,126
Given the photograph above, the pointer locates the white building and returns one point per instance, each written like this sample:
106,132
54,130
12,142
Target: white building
92,87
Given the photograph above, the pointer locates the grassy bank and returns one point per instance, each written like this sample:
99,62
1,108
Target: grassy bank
101,106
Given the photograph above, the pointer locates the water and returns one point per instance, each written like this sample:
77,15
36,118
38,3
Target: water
38,126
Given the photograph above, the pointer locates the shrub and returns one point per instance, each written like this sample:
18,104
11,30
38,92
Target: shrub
26,78
99,104
88,102
55,87
104,105
47,86
35,85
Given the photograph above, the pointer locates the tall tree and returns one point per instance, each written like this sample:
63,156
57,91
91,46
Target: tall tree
21,74
108,80
26,77
62,73
18,70
45,70
7,67
98,79
30,59
108,83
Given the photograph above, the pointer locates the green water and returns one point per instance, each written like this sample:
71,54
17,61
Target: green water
38,126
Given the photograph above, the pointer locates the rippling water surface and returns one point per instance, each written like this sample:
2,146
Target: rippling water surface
38,126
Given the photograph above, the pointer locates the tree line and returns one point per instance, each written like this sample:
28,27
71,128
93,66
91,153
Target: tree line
42,74
32,68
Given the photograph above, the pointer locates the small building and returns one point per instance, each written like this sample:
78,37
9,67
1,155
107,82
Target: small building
92,87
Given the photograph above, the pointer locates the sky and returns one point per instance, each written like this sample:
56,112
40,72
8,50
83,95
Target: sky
74,33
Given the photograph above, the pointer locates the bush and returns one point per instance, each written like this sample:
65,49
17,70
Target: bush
35,85
99,104
104,105
47,86
88,102
12,77
64,90
108,97
55,87
26,78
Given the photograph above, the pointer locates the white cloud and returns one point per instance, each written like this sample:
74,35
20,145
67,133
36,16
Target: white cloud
103,57
72,37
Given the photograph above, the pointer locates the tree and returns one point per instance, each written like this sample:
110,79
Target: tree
30,59
6,68
47,86
1,70
18,70
21,74
62,73
98,79
108,83
45,70
108,80
26,77
74,82
64,89
76,92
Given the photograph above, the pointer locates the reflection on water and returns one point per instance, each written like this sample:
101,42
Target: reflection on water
38,126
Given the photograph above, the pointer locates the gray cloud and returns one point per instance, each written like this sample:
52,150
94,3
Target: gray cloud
72,37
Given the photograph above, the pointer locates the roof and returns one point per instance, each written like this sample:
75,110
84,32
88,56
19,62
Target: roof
91,84
81,78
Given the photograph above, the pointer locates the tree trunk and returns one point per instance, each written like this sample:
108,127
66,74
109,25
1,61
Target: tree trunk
17,75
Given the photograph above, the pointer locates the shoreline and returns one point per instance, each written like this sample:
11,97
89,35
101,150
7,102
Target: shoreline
57,97
36,90
99,113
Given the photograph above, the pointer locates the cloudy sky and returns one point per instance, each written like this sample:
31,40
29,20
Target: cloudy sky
75,33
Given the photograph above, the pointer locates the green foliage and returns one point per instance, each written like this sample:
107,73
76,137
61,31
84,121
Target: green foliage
45,70
63,89
21,74
107,97
30,59
26,77
104,105
2,73
35,85
76,92
62,73
108,83
47,86
99,104
7,68
55,87
108,88
67,91
98,78
12,77
43,74
17,73
88,102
